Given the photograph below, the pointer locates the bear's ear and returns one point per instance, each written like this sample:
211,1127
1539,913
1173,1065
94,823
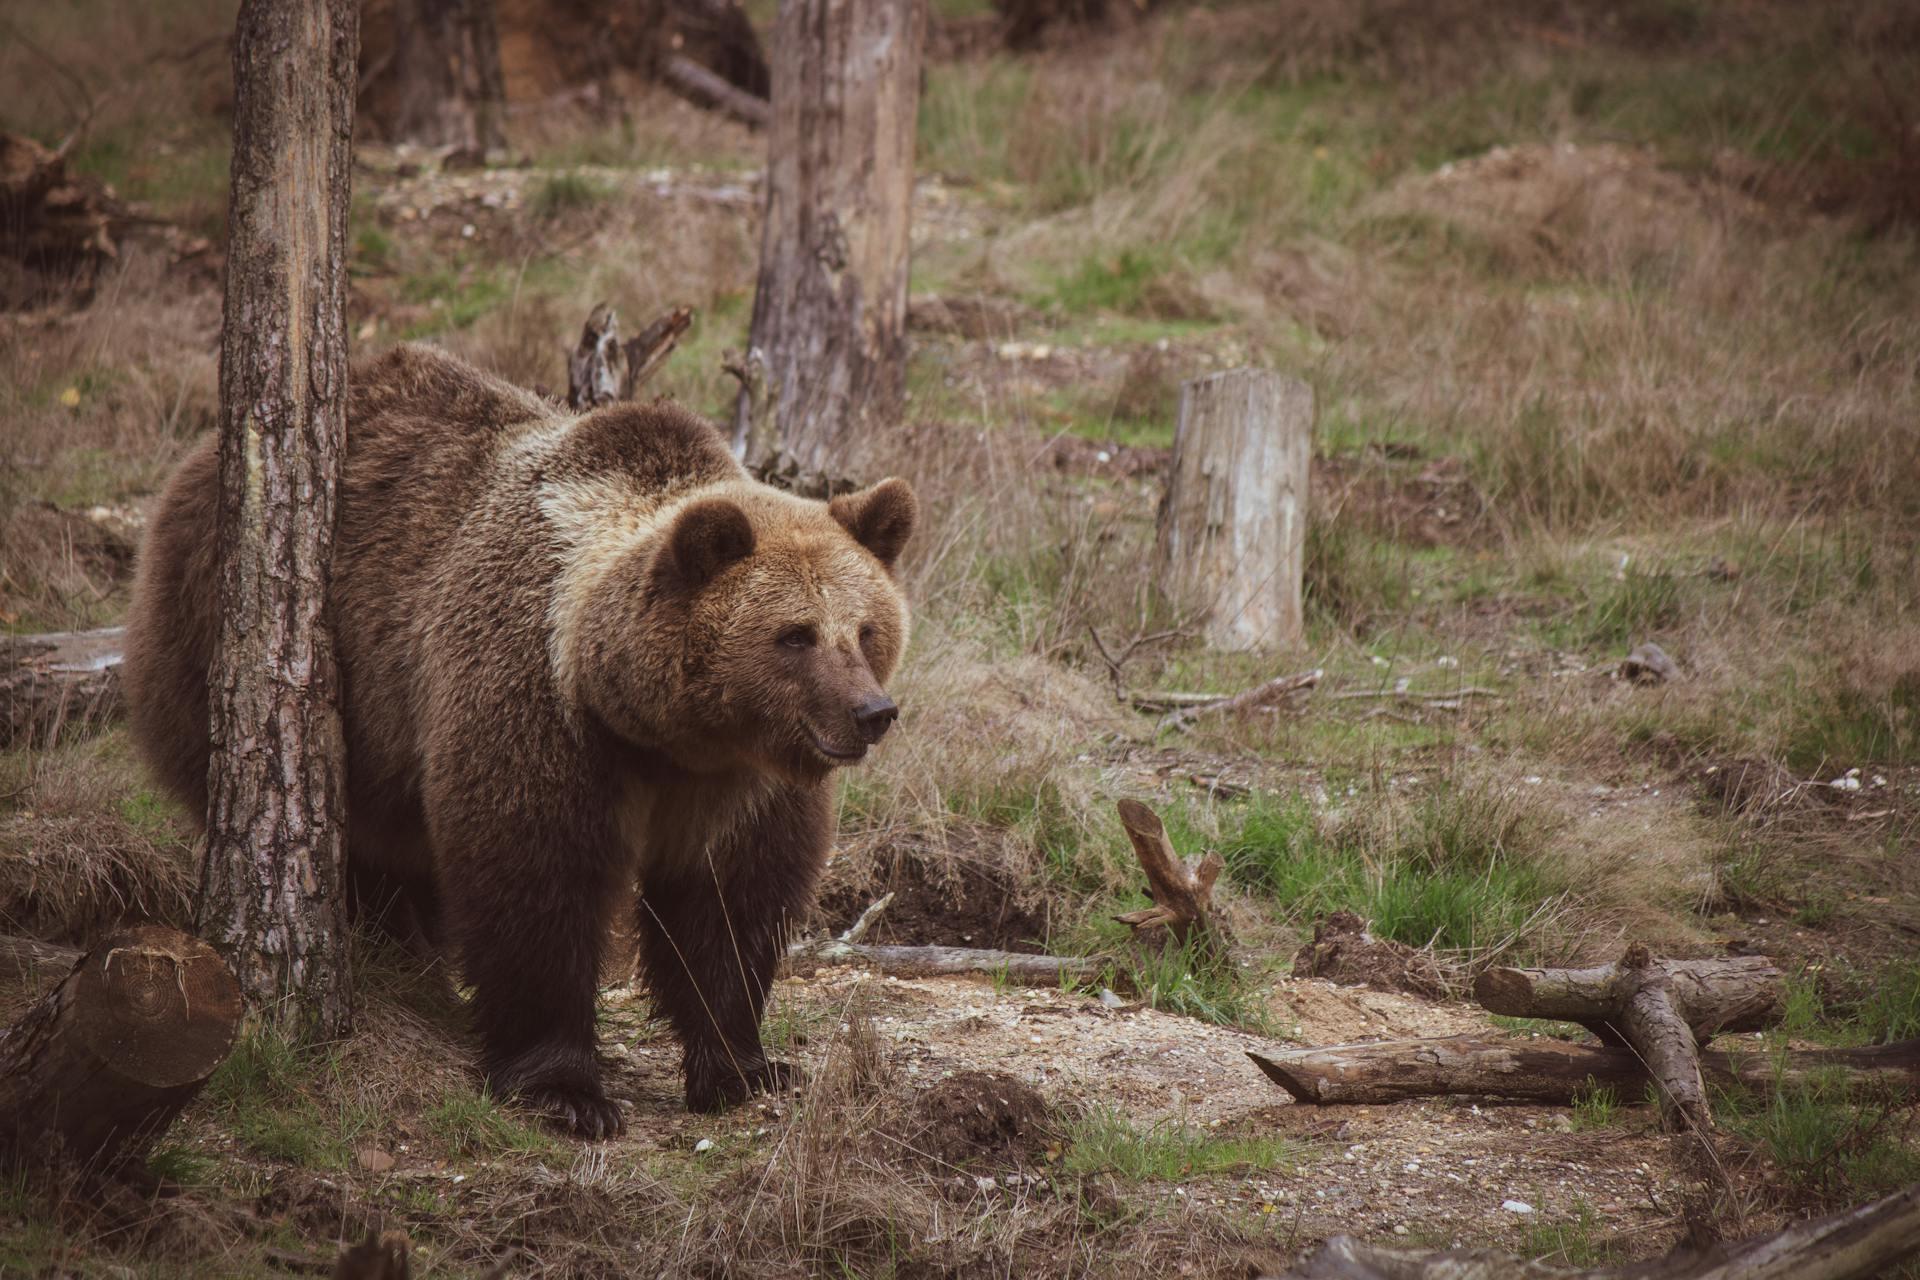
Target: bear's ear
880,519
706,537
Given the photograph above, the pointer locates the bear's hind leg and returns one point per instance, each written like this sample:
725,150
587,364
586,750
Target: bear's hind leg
710,932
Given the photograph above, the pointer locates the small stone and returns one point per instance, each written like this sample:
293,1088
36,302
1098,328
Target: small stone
1516,1206
703,1146
373,1159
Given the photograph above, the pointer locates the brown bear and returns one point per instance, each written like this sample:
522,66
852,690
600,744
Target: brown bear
573,651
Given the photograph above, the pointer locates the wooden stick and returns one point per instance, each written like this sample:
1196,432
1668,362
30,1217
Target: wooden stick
935,962
646,353
1259,694
1181,894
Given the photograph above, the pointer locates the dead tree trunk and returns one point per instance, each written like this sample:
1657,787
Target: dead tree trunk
103,1062
446,64
1855,1244
603,369
1232,538
1554,1073
1662,1008
271,894
830,306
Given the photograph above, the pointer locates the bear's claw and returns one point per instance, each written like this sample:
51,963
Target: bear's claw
586,1113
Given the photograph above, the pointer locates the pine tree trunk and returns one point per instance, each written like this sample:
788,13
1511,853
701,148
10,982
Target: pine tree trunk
830,309
1233,525
272,893
447,64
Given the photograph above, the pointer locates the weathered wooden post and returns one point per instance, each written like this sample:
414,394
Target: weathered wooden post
1233,523
830,307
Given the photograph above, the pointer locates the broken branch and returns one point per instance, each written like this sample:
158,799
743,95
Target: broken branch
1254,697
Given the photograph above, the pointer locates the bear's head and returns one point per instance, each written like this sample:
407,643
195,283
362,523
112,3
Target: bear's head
759,629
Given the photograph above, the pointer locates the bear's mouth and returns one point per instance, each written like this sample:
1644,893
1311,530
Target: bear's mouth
835,753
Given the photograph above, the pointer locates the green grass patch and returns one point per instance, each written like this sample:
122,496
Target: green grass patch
287,1103
1596,1106
563,193
1104,1140
475,1124
1575,1241
1825,1140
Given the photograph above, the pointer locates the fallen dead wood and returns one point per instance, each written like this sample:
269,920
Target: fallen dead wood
1555,1073
58,683
100,1065
56,228
1855,1244
25,959
1259,695
1738,993
1452,697
706,88
1662,1009
938,962
1182,895
602,369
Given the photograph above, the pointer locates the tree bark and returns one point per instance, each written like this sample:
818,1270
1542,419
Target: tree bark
1554,1073
103,1062
1741,993
1231,546
1855,1244
446,61
830,306
271,892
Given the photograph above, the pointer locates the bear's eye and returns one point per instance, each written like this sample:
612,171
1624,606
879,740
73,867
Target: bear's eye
866,635
795,638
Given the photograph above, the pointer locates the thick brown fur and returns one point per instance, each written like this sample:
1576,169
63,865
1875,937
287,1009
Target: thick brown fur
573,651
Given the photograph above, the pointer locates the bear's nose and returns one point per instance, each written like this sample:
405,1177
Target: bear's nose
874,717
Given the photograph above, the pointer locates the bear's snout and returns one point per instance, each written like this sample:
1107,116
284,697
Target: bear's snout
874,717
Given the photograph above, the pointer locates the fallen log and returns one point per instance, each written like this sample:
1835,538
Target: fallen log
941,962
1739,993
706,88
100,1065
1855,1244
58,683
31,960
1182,894
1555,1073
1258,696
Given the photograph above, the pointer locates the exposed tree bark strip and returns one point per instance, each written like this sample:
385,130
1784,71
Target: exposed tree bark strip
1740,993
1855,1244
1231,543
934,962
271,894
830,305
1182,895
103,1062
1554,1073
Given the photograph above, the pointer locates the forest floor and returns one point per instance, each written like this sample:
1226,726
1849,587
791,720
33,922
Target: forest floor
1613,340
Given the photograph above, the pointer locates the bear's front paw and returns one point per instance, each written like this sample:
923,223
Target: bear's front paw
584,1112
727,1085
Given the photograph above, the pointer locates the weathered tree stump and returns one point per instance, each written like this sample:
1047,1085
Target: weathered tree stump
1555,1073
1182,894
1855,1244
1232,535
103,1062
830,306
56,228
58,684
446,74
603,369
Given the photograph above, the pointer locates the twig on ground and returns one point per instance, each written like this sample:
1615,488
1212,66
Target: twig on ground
858,929
1256,696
